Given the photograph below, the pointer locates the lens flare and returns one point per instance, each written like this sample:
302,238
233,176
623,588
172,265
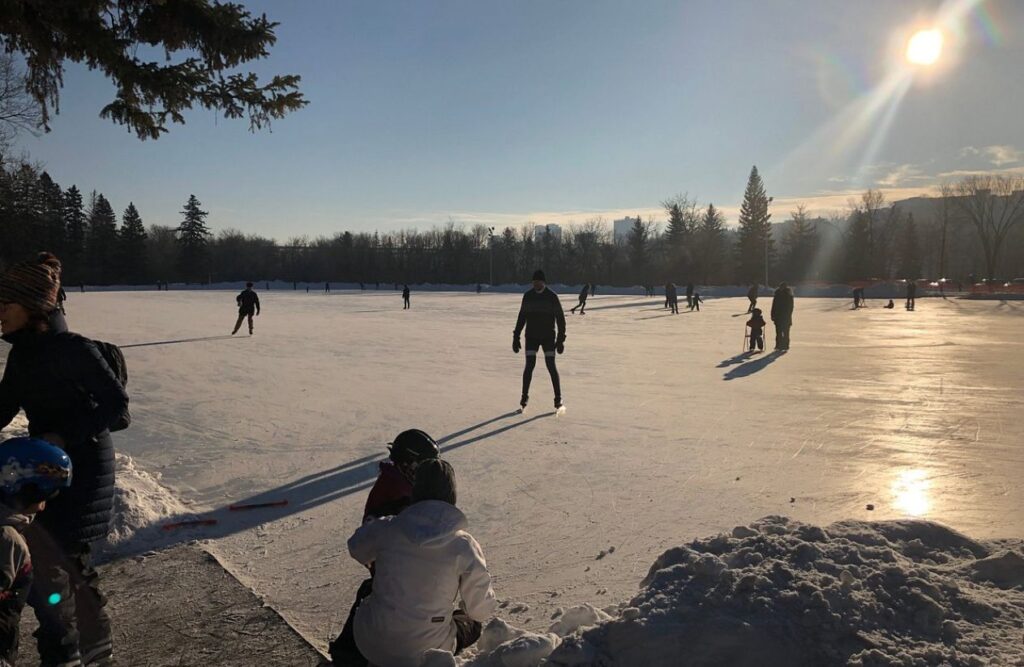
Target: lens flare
925,47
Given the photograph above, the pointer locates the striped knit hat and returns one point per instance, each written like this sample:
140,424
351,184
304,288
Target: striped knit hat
33,286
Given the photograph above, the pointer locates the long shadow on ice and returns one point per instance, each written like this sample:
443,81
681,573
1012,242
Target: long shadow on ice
182,340
301,494
752,367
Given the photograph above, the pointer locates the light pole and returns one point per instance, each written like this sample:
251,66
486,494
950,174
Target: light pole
490,243
768,235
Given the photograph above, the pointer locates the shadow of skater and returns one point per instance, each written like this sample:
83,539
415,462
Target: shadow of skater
752,367
738,359
175,342
302,494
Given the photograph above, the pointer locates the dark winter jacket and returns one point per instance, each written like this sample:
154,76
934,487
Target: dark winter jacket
405,293
65,386
756,324
782,306
248,302
540,312
391,493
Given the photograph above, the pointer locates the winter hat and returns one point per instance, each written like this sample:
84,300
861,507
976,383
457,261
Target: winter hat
412,446
539,275
33,286
435,480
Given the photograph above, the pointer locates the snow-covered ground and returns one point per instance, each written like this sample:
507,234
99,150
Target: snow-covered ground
670,433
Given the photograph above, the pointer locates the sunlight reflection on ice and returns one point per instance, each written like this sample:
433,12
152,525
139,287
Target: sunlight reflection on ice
910,489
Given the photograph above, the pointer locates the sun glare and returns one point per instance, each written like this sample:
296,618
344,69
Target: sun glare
925,47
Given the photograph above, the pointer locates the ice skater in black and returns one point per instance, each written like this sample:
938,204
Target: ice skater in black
672,294
582,305
405,298
689,295
248,305
911,294
540,313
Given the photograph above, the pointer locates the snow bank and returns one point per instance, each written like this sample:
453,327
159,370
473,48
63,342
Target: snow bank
141,504
779,592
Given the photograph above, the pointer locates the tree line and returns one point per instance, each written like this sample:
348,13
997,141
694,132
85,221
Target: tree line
972,227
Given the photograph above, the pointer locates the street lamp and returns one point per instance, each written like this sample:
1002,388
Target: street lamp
490,243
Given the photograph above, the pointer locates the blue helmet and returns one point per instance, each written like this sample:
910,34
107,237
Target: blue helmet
32,469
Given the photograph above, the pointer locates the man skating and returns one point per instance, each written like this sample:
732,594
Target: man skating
752,297
405,298
911,294
782,315
248,305
689,295
540,313
582,305
672,294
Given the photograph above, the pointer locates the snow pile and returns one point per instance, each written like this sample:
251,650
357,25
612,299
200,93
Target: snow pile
779,592
141,504
503,645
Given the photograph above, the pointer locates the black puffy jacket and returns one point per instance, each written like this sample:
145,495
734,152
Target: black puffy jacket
66,387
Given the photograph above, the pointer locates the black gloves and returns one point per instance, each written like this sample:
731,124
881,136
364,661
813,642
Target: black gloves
515,344
560,346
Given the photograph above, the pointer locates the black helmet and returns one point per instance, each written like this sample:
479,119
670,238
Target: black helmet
412,446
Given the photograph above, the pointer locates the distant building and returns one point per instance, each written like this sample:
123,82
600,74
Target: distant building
540,230
622,228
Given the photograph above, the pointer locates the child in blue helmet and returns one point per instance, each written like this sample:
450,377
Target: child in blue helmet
31,472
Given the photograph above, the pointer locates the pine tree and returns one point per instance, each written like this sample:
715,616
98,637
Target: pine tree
74,239
132,247
101,242
639,236
910,250
710,241
801,245
683,222
755,245
192,241
857,260
51,208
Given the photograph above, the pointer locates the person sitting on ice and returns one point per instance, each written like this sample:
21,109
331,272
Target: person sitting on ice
31,472
391,493
756,324
423,560
890,305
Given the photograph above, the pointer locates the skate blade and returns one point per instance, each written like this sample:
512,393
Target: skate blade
560,411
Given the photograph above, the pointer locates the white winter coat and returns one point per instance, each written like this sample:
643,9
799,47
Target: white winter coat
423,560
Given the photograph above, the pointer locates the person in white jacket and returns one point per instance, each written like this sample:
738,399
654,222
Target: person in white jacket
423,561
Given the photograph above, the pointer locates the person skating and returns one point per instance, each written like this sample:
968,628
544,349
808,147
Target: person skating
752,297
248,305
756,324
32,472
540,312
672,294
782,315
582,305
405,298
695,301
911,294
72,399
689,295
856,298
391,493
423,559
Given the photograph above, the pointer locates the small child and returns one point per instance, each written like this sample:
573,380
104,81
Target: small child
890,305
696,302
756,324
391,493
31,472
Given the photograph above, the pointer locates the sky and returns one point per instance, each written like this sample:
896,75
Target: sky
500,113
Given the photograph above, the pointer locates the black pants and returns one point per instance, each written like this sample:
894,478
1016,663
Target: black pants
406,301
782,335
757,339
533,346
582,305
242,314
753,305
68,604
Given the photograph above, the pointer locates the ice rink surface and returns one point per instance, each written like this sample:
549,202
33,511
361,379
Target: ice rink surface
670,433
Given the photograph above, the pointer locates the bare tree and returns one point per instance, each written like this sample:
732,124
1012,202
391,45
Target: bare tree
18,110
994,204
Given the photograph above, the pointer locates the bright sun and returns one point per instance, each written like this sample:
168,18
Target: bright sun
925,47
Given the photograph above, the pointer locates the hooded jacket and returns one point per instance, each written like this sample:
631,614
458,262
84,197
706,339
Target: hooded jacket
782,306
66,387
424,559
